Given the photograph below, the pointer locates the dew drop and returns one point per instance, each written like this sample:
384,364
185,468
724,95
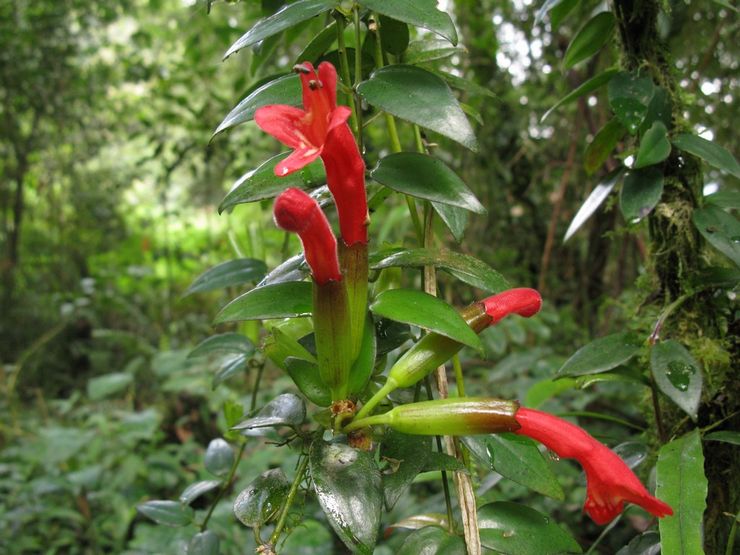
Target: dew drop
679,374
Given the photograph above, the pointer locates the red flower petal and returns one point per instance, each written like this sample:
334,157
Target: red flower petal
285,123
522,301
297,160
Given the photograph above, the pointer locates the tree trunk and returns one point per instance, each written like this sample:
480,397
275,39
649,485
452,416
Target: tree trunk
674,259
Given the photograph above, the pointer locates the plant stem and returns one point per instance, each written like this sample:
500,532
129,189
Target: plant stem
344,69
289,500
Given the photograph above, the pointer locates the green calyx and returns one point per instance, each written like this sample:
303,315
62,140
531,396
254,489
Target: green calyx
354,265
331,322
464,416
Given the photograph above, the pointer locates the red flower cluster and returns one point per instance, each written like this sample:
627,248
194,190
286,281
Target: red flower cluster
522,301
609,481
320,129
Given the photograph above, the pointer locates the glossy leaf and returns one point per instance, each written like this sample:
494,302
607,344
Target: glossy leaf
456,82
546,6
462,266
221,344
641,192
724,199
602,354
364,365
318,45
517,458
422,51
584,88
544,390
421,97
681,483
426,311
348,487
281,300
660,109
282,90
282,345
293,269
592,203
725,436
168,513
654,146
195,490
284,410
432,541
647,543
408,456
106,385
710,152
629,98
560,11
583,382
720,229
419,521
602,145
260,501
590,39
633,453
454,217
420,13
204,543
427,177
288,16
394,35
306,376
677,375
229,366
219,457
262,183
514,529
228,274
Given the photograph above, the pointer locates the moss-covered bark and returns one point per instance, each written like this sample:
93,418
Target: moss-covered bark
675,263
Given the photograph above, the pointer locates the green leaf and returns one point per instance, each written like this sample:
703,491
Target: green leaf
724,199
654,146
168,513
283,90
421,97
293,269
633,453
261,500
424,176
228,274
262,183
281,300
462,266
408,456
421,51
426,311
219,457
195,490
641,192
432,540
515,529
281,345
284,410
394,35
660,109
306,376
221,344
647,543
594,200
629,98
547,389
288,16
682,484
602,354
317,47
547,5
204,543
420,13
677,375
423,520
517,458
590,39
602,145
456,82
725,436
726,4
106,385
582,382
720,229
560,11
597,81
348,487
363,366
229,366
454,217
710,152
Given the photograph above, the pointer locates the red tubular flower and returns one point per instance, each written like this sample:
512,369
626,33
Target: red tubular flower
522,301
609,482
321,129
297,212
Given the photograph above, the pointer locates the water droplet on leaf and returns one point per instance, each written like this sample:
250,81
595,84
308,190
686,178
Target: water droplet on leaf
679,374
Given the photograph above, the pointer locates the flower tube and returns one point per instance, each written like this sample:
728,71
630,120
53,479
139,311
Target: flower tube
434,349
297,212
609,481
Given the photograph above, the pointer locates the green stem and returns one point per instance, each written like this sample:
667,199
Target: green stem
344,69
374,400
289,500
730,549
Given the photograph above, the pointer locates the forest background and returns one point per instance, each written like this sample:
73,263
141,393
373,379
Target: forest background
110,184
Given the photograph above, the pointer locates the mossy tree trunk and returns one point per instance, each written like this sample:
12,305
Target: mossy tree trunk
676,260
